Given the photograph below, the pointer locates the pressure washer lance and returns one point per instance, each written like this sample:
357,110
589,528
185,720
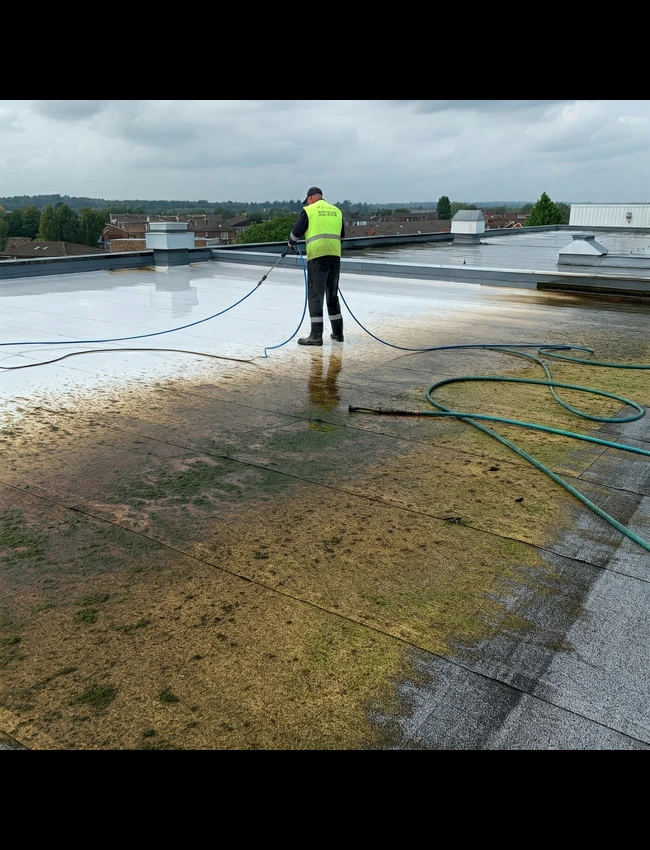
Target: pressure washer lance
282,256
385,410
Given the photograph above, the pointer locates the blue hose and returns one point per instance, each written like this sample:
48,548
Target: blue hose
304,307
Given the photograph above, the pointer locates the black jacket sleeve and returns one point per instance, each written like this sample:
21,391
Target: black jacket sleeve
299,228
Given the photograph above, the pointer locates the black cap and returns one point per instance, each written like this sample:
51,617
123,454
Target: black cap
313,191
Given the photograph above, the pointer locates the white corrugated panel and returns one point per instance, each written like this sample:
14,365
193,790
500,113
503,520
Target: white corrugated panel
610,215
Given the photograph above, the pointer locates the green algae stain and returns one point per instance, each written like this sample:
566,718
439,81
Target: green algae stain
97,696
19,541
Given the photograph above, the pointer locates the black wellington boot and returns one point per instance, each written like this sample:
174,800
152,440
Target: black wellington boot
315,337
337,330
310,340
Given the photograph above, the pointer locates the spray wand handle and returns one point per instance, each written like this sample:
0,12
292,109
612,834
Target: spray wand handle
282,256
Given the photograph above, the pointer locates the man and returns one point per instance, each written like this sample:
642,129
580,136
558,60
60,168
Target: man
322,226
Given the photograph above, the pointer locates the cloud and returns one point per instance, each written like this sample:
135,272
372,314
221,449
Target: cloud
481,106
196,136
9,120
68,110
280,153
378,151
633,120
580,132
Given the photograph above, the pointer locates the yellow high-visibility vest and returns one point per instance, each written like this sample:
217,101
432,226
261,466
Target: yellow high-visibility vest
323,235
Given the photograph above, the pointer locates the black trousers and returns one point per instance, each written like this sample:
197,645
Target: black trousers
323,286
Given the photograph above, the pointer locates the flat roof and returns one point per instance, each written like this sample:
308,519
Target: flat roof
516,251
212,550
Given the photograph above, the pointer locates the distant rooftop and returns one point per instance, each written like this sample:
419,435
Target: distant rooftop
47,249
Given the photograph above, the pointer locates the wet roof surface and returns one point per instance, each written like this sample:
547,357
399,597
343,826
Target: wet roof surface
213,552
521,251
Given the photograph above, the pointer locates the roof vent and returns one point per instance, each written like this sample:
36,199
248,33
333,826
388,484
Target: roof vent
584,243
468,225
170,241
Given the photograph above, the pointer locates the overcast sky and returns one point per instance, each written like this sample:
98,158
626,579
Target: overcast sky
377,151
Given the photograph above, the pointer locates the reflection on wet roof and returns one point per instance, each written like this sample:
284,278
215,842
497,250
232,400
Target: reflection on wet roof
142,325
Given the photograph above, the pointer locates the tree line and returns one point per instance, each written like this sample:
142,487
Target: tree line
141,207
264,210
227,209
57,223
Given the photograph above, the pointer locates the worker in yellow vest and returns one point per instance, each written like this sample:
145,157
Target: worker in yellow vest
321,225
